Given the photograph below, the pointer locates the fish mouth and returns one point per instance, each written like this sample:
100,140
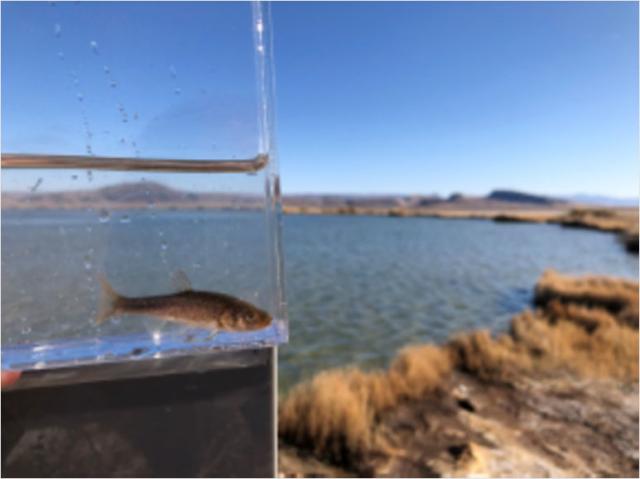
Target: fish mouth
263,322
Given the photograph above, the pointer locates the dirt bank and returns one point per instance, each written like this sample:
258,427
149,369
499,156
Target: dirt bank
556,395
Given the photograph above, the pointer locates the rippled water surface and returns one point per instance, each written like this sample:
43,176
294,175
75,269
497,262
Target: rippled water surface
359,288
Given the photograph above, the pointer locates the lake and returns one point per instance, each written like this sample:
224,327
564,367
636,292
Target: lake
358,287
361,287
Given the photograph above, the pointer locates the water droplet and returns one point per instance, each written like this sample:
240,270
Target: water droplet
90,174
104,216
36,185
260,49
197,265
26,330
40,365
89,152
89,229
74,177
94,46
57,30
164,245
157,337
161,233
106,69
172,71
113,84
125,219
177,91
123,141
87,263
61,55
135,115
80,97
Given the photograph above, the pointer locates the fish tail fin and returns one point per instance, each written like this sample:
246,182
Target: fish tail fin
108,301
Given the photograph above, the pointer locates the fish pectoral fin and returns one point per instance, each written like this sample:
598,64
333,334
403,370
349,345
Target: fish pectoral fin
181,281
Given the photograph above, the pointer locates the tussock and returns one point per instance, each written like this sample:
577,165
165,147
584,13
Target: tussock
586,326
333,414
617,296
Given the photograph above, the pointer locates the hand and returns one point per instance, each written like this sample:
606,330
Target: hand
9,378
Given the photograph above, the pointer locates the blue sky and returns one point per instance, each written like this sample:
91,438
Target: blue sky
371,97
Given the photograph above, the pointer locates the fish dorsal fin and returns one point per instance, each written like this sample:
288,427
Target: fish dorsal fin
181,281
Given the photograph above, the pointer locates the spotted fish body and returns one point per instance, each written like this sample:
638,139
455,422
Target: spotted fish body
200,309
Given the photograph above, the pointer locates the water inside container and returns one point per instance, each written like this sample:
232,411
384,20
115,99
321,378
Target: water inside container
146,164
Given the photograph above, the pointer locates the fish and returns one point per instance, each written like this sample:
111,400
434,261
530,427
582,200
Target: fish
201,309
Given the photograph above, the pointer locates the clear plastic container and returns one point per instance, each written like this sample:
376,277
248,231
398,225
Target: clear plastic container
137,153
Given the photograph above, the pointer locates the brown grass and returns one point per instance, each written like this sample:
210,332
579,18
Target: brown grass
333,413
619,297
604,219
585,326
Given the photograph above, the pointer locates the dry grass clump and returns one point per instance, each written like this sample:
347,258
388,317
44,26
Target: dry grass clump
617,296
329,415
334,414
603,348
487,358
604,219
418,370
587,326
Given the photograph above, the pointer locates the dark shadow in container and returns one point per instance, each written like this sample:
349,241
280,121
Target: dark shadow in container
210,416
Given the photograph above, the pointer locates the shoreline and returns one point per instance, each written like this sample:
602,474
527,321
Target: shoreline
622,221
481,404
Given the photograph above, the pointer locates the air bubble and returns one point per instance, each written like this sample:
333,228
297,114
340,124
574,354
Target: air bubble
57,30
113,84
173,72
40,365
90,153
123,141
26,330
125,219
104,216
90,174
157,337
177,91
80,97
94,46
135,116
61,55
164,245
87,263
106,69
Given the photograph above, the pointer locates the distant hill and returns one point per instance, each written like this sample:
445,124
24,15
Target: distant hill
147,193
142,194
520,197
601,200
